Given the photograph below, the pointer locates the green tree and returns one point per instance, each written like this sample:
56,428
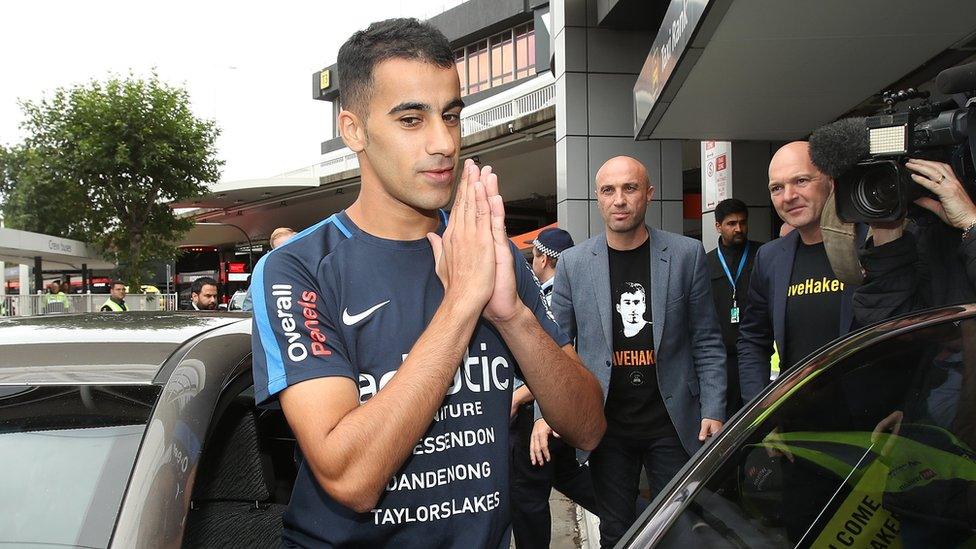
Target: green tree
32,202
100,163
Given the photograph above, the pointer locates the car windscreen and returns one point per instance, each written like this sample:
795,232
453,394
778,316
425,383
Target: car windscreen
67,453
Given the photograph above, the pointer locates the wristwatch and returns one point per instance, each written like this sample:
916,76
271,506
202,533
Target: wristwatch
969,233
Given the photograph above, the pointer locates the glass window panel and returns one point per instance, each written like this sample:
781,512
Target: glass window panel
497,70
472,67
875,450
462,73
508,57
521,53
483,63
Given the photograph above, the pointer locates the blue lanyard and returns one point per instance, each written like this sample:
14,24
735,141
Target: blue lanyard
725,266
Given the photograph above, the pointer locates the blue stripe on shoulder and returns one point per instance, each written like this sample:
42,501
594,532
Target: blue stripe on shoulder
277,380
335,221
272,353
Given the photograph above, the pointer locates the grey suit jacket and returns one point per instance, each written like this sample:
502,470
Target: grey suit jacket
687,338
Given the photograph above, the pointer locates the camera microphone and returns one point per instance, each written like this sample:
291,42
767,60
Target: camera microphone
839,146
957,79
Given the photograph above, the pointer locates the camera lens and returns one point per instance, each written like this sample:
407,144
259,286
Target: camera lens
876,192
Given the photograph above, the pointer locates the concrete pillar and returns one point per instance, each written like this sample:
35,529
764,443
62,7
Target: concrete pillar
23,305
750,164
3,282
595,72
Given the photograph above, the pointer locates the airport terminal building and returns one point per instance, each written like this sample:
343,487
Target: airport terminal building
701,91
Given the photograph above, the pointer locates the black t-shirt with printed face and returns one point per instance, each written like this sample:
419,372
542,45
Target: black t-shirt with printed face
634,407
813,303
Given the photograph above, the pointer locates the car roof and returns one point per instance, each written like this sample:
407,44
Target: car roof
98,348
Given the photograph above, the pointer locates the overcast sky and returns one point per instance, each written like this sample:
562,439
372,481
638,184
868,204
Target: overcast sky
247,65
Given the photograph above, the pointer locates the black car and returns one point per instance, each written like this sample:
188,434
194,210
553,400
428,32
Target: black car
867,443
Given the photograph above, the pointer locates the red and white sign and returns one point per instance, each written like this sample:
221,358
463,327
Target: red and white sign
716,169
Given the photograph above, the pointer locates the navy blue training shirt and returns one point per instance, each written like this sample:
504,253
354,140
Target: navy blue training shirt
336,301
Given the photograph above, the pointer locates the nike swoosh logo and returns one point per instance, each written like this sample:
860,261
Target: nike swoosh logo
350,320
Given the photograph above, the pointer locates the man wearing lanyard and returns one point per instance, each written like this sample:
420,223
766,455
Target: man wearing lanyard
730,288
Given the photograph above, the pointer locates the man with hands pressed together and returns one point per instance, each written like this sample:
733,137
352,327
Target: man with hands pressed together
361,323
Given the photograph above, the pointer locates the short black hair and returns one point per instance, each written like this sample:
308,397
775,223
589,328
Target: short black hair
199,283
113,283
730,206
401,38
630,288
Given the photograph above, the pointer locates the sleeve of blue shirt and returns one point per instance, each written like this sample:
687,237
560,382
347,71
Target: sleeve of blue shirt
294,336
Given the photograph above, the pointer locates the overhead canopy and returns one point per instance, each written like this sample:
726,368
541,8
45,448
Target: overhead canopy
214,234
765,70
55,252
227,194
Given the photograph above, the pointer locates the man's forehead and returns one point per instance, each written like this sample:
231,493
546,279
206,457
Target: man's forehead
792,161
399,81
618,172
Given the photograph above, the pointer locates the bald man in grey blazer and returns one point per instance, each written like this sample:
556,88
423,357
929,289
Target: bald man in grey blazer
638,302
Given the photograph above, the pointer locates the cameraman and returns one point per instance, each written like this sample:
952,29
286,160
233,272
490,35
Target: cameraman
927,263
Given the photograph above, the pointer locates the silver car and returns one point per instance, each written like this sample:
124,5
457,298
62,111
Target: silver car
137,430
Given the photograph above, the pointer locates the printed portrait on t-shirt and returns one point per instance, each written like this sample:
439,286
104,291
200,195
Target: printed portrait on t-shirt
631,305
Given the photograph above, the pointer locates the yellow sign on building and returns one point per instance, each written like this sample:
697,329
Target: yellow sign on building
324,79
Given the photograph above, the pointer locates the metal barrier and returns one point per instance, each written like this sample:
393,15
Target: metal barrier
47,304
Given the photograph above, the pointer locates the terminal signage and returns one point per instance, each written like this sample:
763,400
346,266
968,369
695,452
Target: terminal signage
673,38
59,246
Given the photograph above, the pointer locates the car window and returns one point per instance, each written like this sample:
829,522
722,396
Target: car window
67,453
873,451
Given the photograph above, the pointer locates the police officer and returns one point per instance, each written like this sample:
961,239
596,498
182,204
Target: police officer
545,253
554,464
116,300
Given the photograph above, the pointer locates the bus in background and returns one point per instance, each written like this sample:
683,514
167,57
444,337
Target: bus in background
199,261
195,262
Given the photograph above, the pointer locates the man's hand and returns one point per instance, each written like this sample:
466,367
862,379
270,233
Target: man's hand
504,302
775,447
954,207
890,424
709,427
464,257
520,396
539,443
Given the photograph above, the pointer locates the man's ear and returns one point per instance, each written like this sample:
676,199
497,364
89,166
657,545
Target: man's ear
650,193
352,129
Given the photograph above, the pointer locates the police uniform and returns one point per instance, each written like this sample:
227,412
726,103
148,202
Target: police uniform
532,484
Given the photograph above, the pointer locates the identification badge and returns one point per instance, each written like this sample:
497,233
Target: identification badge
734,315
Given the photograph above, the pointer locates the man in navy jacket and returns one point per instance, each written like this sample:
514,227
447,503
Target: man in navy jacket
795,300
